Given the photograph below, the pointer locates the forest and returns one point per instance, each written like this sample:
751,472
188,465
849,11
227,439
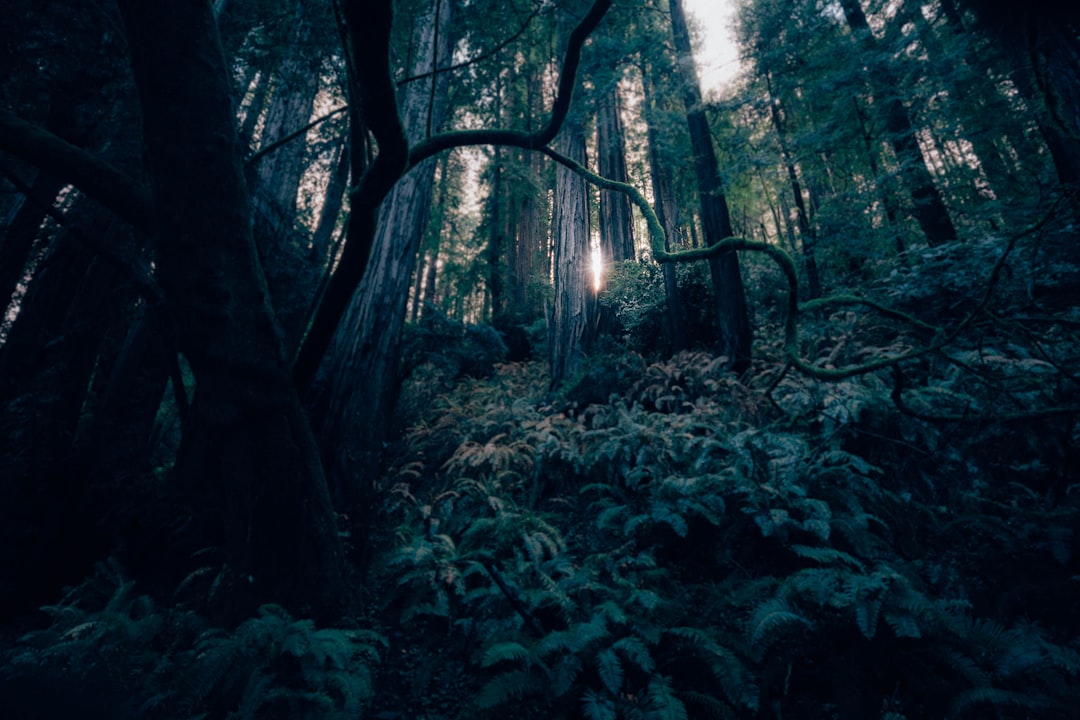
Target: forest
455,359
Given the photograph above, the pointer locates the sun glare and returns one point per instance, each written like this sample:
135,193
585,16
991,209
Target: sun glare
597,269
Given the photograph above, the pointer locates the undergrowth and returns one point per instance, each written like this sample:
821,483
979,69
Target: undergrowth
665,540
110,652
661,539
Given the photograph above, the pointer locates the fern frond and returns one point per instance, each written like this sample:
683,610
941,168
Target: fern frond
597,707
636,651
827,556
554,642
610,670
823,585
612,611
708,705
647,599
770,616
996,697
508,651
663,704
505,687
565,674
1064,658
903,625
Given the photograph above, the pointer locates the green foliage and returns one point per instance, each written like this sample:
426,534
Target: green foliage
688,545
146,661
635,292
456,347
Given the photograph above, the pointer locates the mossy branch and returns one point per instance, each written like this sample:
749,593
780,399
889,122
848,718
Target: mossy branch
940,337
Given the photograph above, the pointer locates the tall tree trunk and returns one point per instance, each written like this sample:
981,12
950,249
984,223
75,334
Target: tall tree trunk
425,292
806,230
259,91
732,316
571,323
928,207
247,454
294,86
667,211
360,372
495,248
616,226
1041,41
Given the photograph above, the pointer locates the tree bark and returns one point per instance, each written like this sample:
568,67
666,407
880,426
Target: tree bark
361,367
732,317
247,454
667,210
616,226
571,323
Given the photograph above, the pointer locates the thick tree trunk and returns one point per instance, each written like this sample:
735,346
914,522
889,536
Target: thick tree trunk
247,453
571,323
360,372
527,245
733,319
616,226
294,86
667,212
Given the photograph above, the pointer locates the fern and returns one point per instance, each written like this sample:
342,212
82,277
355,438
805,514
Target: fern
708,705
507,651
996,697
597,707
827,556
768,618
505,687
903,625
636,651
663,704
610,670
736,680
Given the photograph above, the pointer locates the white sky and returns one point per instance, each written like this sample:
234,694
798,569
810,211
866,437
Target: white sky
717,58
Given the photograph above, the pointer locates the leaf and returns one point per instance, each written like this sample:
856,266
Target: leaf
827,556
610,670
565,674
768,617
504,687
663,703
597,707
996,697
504,652
903,625
634,650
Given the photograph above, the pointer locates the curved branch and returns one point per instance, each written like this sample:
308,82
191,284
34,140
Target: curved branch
257,155
95,178
543,136
368,33
370,26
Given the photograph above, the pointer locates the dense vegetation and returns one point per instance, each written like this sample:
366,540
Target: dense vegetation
312,404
